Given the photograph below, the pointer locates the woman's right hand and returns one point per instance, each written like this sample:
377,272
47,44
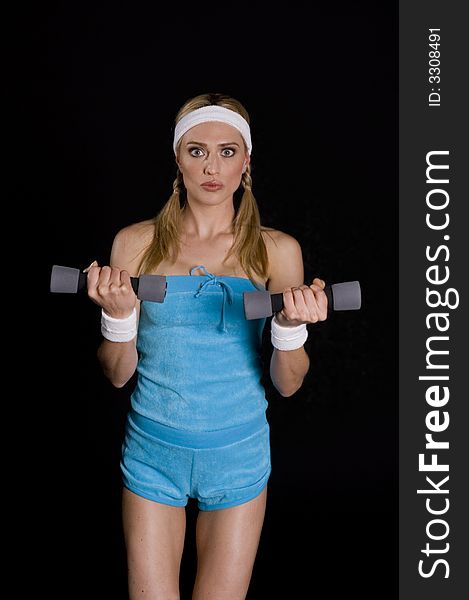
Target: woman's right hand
111,289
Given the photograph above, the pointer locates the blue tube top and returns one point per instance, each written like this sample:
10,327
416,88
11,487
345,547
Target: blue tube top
199,364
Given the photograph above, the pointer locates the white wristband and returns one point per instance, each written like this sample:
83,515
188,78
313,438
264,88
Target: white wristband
119,330
287,338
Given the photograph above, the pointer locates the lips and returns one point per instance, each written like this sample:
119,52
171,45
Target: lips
212,186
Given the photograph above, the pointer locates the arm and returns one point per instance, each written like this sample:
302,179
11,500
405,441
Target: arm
118,359
304,304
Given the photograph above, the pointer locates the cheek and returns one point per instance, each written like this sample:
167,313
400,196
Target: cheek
236,169
187,168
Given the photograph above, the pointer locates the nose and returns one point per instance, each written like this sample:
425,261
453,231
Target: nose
211,165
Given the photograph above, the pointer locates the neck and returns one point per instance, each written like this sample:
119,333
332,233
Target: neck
207,222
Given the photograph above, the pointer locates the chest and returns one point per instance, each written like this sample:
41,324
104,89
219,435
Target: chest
213,256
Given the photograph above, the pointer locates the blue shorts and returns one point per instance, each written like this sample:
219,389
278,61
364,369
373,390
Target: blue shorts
219,468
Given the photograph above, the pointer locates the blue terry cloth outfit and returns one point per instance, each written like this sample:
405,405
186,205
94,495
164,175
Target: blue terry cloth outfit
197,425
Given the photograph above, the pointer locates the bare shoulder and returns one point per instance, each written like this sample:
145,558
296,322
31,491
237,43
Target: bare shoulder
285,259
280,246
279,241
129,244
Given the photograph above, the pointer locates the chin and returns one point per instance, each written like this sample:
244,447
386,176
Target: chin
211,198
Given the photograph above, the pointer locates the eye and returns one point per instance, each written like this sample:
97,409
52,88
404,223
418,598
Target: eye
227,152
196,151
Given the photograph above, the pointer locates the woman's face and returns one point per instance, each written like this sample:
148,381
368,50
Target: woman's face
212,159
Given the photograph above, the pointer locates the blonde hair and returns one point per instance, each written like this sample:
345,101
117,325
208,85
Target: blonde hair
248,245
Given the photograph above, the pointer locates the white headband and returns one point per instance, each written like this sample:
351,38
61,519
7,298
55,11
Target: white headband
213,113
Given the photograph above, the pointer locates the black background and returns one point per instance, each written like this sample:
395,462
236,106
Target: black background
321,89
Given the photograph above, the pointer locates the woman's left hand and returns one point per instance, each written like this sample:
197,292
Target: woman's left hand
303,304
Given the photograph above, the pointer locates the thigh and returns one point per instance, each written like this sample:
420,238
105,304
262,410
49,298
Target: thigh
231,475
227,542
154,536
154,468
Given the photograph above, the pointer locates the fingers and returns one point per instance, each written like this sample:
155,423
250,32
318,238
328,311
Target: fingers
320,283
114,282
126,284
109,281
93,264
93,275
305,304
123,280
321,301
297,302
110,288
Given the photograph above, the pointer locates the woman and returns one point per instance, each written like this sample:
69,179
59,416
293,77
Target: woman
197,425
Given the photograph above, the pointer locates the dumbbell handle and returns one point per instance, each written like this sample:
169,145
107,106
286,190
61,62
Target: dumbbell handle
340,296
67,280
277,300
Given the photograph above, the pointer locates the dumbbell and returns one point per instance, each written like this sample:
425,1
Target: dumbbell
340,296
67,280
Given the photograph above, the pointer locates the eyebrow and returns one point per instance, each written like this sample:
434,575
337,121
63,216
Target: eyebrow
205,145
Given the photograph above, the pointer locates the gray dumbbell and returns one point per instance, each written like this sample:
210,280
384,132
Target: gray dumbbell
340,296
67,280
